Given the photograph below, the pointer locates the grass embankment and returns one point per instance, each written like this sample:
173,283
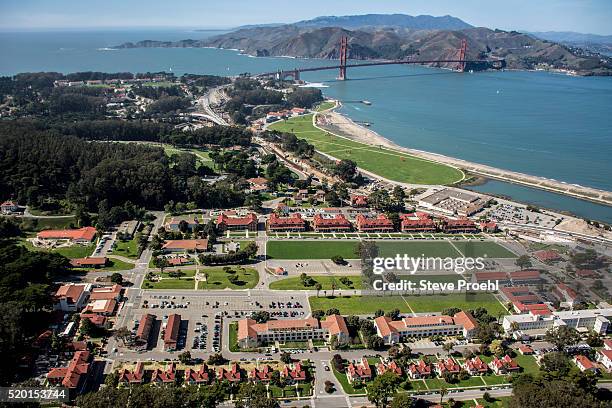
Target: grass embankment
387,163
296,283
419,304
347,249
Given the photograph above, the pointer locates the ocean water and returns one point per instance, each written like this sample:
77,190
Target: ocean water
550,125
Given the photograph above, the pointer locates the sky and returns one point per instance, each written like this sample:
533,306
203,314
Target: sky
586,16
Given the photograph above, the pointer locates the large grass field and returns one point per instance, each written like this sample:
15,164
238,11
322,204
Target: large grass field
295,283
129,249
218,278
347,249
74,251
391,164
184,283
419,304
325,106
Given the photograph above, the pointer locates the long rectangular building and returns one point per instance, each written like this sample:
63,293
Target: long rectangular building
252,334
532,325
395,331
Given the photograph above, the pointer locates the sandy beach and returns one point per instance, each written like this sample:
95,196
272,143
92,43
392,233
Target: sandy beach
343,126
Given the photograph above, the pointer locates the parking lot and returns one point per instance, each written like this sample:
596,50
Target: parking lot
202,317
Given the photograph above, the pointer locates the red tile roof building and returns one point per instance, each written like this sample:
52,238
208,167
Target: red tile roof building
293,223
248,222
447,366
504,365
104,307
234,374
133,377
81,235
547,255
359,201
166,376
394,331
75,374
71,297
339,223
526,277
524,300
419,370
144,330
186,245
566,295
525,350
263,374
295,374
171,332
417,222
488,226
89,262
200,376
392,366
475,366
463,225
252,334
106,293
379,224
359,371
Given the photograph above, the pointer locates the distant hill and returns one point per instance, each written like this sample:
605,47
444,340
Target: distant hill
423,22
306,39
591,42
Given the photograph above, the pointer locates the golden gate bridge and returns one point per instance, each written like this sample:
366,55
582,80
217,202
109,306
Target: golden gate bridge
460,61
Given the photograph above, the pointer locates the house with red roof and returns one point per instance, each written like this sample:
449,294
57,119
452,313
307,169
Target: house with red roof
83,235
586,273
9,207
547,255
106,293
421,369
74,376
380,223
488,226
524,300
526,350
97,320
585,364
293,223
447,366
178,224
475,366
185,245
338,223
132,377
335,325
71,297
199,376
263,374
234,374
293,374
102,307
167,376
226,223
359,201
526,277
359,371
258,185
89,262
504,365
483,276
392,366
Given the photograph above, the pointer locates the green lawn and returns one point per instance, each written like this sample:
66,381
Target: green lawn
528,363
495,379
346,249
385,162
74,251
349,305
325,106
344,383
437,303
437,383
113,265
218,279
425,303
500,402
53,223
129,249
418,385
186,283
295,283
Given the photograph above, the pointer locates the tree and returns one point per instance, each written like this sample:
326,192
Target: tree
286,357
87,327
562,337
402,400
382,388
185,357
260,316
254,395
161,263
346,170
216,359
497,347
334,286
117,278
338,260
448,346
523,261
332,311
556,363
318,287
122,334
443,392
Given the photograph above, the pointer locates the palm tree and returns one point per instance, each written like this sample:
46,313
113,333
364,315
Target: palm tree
333,288
318,287
443,392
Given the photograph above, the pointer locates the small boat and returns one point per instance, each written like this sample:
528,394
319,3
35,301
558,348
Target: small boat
366,102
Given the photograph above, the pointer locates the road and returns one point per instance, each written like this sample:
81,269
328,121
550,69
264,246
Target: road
213,96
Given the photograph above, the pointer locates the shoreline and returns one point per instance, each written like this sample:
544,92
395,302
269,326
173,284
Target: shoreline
344,126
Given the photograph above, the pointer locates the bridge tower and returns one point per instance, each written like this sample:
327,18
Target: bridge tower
462,52
343,55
